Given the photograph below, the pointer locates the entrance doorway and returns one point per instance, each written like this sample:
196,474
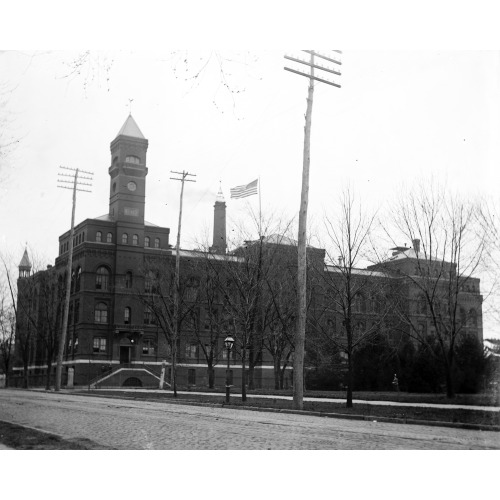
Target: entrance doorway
124,355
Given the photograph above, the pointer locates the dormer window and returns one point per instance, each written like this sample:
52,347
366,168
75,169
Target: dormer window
133,159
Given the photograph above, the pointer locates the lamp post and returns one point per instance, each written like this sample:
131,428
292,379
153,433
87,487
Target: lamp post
228,343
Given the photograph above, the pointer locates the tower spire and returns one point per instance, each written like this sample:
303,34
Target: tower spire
25,265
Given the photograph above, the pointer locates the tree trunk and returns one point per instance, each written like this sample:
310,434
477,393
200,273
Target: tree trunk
49,368
251,363
243,377
349,380
450,390
211,376
277,373
26,376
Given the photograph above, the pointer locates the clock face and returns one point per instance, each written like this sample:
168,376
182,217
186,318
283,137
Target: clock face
131,186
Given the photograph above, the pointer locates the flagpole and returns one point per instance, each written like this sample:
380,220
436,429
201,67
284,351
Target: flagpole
260,212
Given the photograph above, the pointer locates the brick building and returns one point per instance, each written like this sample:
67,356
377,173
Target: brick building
121,296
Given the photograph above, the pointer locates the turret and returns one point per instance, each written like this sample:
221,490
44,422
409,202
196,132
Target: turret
25,265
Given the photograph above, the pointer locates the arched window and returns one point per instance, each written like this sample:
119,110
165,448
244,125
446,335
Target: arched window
157,242
101,313
359,303
102,278
98,236
128,279
78,279
146,241
133,159
135,239
73,279
127,315
330,325
421,305
124,238
109,238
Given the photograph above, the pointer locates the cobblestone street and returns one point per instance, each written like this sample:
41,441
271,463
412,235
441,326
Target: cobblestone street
133,425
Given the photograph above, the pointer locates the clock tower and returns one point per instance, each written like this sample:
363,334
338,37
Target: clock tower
128,174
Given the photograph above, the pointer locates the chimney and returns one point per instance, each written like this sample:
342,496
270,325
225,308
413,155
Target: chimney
219,242
416,245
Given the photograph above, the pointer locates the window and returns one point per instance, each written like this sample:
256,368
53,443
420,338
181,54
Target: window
211,317
421,330
421,305
73,279
330,325
77,311
102,278
463,316
100,344
109,238
135,240
146,241
124,238
101,313
191,350
151,283
157,242
359,304
126,315
231,353
472,317
149,317
78,279
133,159
75,345
192,289
148,347
98,236
191,376
128,279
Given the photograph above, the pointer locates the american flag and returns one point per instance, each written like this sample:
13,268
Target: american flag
244,191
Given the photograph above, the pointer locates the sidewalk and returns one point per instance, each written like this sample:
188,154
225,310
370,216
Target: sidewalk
324,400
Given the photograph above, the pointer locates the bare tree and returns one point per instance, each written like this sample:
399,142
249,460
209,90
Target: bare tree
354,307
440,298
157,298
7,333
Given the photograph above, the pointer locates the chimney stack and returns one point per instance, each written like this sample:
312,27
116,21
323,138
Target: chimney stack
219,242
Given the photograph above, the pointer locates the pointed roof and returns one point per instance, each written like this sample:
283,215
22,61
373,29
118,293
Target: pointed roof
220,196
25,261
131,129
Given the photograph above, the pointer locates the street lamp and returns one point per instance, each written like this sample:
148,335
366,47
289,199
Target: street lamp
228,343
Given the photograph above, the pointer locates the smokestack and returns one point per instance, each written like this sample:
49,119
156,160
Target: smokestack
219,242
416,245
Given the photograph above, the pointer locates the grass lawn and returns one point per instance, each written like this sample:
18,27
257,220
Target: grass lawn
23,438
451,415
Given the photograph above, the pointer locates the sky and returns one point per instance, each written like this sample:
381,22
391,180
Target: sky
399,117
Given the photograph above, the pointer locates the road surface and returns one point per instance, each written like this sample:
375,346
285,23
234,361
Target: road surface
134,425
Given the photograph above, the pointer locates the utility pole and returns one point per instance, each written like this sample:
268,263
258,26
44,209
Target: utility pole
175,329
300,331
77,183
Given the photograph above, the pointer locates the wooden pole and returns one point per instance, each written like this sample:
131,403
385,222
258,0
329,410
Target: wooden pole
62,341
300,333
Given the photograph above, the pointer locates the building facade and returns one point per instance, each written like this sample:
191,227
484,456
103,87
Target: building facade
121,312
